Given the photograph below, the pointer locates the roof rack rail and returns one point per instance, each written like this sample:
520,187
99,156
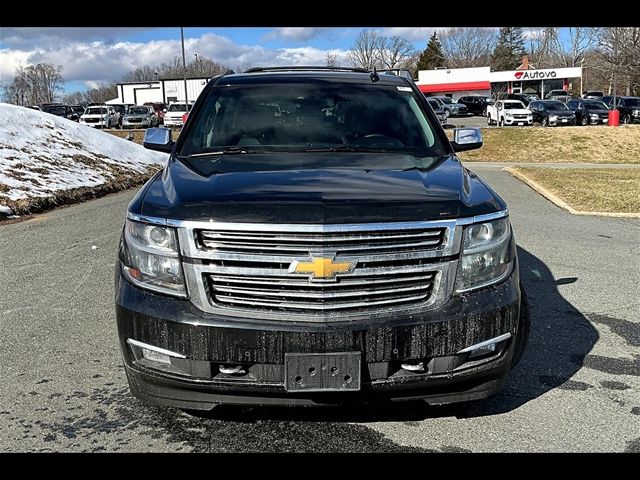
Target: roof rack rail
306,68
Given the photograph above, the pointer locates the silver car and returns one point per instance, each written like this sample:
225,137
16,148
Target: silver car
452,109
140,116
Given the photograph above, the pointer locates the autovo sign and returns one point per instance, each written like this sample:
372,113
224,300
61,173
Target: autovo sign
535,74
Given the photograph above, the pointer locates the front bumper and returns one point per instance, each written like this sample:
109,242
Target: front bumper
143,124
207,340
518,121
173,123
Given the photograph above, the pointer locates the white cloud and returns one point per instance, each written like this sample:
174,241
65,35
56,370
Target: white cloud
297,34
413,34
102,61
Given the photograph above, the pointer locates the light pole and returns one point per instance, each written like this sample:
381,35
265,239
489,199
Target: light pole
184,67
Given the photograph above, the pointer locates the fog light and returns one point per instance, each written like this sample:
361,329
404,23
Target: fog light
156,356
486,347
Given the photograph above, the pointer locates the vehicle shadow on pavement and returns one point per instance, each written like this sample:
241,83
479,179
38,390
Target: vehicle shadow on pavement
560,338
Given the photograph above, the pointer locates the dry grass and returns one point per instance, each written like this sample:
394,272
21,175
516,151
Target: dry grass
593,144
591,189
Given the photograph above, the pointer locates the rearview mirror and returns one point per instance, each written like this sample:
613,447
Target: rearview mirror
158,139
466,139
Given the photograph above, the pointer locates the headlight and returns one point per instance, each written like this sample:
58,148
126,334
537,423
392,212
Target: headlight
487,255
150,258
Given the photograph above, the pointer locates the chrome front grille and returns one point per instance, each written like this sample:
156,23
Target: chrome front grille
249,270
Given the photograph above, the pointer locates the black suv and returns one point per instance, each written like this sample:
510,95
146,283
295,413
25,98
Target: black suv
629,107
338,252
551,113
476,104
59,110
588,111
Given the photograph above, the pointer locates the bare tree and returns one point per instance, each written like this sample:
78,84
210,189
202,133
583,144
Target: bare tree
468,47
365,52
396,52
35,84
102,93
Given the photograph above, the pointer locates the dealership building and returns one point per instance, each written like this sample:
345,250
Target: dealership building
164,90
458,82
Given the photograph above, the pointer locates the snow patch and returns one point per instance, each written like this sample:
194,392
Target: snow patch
5,210
42,155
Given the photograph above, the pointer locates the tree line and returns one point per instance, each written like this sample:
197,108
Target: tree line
43,83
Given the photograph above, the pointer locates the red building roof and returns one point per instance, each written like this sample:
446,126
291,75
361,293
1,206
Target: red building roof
454,87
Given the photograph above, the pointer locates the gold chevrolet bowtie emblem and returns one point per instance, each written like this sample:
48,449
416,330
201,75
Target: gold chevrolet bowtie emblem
321,268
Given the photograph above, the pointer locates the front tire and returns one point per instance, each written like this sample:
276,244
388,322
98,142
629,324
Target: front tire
544,122
583,121
626,119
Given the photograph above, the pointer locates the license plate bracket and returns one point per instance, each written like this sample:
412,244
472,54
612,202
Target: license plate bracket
322,372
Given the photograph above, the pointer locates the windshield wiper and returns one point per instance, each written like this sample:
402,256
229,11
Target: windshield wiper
223,151
344,148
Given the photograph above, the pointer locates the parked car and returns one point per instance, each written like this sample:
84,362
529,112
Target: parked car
140,116
552,94
59,110
78,109
316,259
438,110
597,95
121,110
476,104
525,98
103,116
509,112
551,113
173,117
629,107
160,109
564,98
453,109
589,111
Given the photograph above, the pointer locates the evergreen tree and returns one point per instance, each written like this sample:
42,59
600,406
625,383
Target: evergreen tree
509,49
432,56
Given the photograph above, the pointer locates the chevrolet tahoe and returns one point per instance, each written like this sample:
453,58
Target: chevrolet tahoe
338,252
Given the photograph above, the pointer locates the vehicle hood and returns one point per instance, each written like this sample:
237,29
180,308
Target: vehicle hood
446,190
562,113
598,112
135,117
518,111
94,115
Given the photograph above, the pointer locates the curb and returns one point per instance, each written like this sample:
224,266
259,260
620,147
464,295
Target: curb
558,201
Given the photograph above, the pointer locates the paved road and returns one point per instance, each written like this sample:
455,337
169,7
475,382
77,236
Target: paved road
62,386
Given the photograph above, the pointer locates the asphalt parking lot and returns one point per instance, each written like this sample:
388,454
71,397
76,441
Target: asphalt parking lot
63,388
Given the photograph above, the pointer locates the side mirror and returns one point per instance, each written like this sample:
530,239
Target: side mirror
466,139
158,139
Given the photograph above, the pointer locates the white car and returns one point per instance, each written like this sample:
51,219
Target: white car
173,117
509,112
100,116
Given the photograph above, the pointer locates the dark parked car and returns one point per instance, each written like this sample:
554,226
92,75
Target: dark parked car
551,113
629,107
79,109
316,258
589,111
525,98
438,110
160,109
452,108
59,110
476,104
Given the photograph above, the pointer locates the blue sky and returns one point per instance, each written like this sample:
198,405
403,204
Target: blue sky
90,55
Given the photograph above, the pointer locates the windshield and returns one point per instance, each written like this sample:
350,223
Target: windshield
555,106
311,117
595,106
513,105
138,111
446,100
96,111
434,104
632,102
178,107
55,110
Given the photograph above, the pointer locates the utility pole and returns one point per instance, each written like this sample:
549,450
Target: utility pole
184,69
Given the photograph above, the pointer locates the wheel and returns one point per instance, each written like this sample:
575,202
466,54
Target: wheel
447,112
583,121
501,122
544,122
524,325
626,118
484,111
488,120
